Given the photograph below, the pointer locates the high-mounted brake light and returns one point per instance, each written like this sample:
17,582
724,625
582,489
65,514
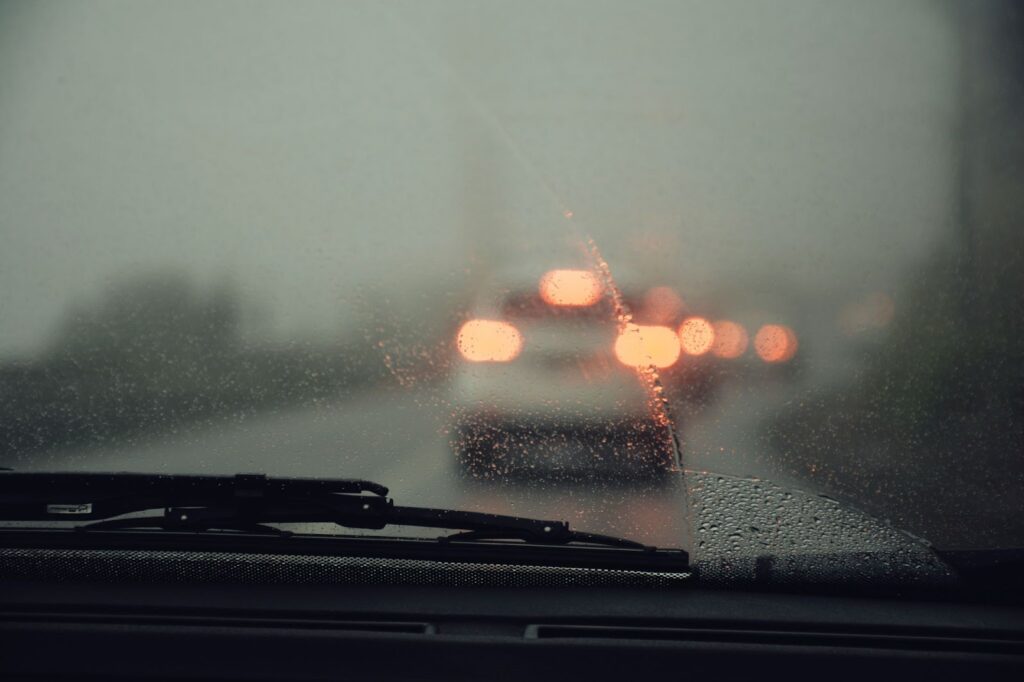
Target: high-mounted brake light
576,288
489,341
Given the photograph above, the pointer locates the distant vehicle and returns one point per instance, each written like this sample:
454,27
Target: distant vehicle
548,380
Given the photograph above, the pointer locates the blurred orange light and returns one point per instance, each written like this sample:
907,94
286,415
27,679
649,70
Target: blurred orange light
570,288
874,311
644,346
731,340
775,343
882,308
696,335
662,305
489,341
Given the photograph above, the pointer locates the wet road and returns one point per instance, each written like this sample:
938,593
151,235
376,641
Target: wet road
399,437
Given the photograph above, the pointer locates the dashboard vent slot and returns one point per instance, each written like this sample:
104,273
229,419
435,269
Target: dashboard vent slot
920,641
203,620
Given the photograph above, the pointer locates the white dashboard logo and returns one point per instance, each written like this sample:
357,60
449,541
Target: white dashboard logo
82,508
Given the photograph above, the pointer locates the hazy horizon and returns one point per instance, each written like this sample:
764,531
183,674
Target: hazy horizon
306,154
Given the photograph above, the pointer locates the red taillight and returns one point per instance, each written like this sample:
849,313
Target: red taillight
731,340
489,341
646,346
696,335
775,343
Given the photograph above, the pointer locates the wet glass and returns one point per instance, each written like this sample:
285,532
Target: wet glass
536,258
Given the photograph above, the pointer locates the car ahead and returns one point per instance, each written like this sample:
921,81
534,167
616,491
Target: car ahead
553,376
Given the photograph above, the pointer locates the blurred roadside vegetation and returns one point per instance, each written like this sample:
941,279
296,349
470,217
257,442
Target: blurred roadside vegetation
157,352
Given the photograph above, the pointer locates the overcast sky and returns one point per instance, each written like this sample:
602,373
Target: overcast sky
305,150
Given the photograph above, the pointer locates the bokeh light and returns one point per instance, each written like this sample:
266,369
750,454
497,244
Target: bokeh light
662,305
570,288
696,335
489,341
874,311
775,343
647,345
731,340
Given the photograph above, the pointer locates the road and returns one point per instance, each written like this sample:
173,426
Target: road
399,437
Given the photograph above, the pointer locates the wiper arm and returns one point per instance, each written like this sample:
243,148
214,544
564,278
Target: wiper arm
251,501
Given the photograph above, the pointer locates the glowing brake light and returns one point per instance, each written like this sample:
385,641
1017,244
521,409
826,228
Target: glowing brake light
775,343
570,288
696,335
644,346
489,341
731,340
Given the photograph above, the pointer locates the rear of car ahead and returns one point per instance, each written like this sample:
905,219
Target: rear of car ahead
552,380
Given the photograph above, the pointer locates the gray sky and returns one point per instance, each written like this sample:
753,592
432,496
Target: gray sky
305,150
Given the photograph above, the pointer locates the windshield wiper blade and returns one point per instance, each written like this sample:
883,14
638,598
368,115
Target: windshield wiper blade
249,502
69,496
162,522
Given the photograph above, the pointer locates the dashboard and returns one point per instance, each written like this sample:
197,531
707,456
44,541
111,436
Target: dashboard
84,629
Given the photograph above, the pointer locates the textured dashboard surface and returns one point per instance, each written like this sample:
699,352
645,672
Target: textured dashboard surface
126,566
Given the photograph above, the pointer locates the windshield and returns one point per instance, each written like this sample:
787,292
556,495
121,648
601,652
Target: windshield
536,258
